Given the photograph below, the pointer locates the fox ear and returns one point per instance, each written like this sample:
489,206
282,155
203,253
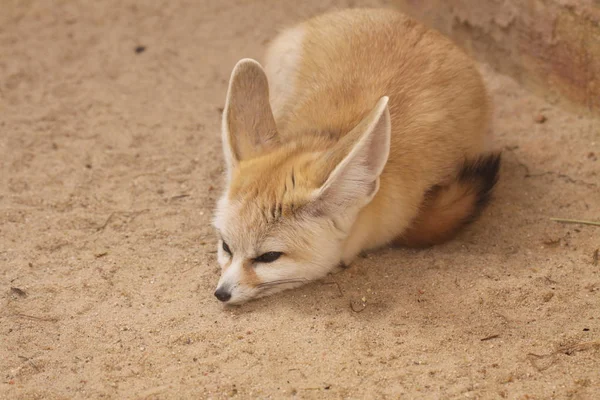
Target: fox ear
248,126
356,162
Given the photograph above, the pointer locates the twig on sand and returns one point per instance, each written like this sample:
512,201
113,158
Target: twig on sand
179,196
568,350
495,336
575,221
336,284
27,359
131,214
18,291
105,224
50,319
545,361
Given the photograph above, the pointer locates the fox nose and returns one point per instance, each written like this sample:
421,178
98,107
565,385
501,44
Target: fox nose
222,294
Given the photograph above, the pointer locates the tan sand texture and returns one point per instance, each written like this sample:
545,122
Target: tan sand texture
110,165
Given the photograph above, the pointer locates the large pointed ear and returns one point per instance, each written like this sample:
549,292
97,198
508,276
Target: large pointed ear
356,162
248,126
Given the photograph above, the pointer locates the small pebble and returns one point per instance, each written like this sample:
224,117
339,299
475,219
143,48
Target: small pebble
18,291
540,118
547,297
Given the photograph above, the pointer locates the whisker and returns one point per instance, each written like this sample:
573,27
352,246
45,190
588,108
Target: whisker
280,282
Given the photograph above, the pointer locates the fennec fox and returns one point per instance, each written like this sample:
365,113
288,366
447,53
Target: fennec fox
364,129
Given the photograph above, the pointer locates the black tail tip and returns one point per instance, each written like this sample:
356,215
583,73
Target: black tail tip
483,173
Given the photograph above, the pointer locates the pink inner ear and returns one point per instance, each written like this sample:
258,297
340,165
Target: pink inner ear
247,115
355,177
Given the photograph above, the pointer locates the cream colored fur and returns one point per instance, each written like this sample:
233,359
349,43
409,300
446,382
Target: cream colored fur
333,150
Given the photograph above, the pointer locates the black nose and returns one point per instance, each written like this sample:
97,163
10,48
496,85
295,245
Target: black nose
222,294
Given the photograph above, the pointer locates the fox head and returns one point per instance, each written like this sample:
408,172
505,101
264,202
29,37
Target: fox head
290,202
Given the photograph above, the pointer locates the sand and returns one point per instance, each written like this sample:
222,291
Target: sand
110,165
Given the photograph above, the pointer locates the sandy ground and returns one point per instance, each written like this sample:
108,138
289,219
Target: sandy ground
110,164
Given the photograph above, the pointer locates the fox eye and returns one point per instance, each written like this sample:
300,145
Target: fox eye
226,248
268,257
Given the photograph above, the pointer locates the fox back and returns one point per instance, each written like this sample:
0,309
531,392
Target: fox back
364,128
